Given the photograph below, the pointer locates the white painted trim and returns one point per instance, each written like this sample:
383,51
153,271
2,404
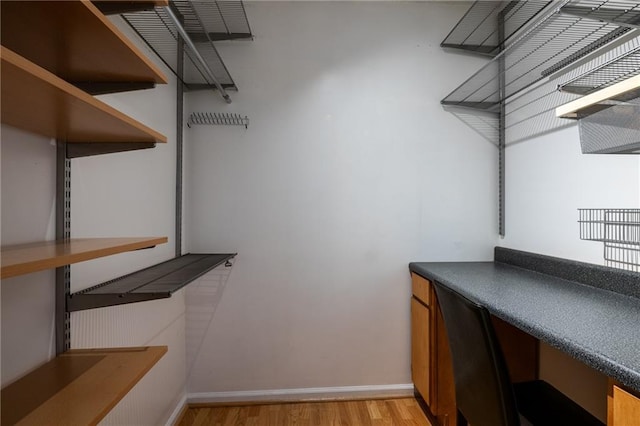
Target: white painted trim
304,394
173,418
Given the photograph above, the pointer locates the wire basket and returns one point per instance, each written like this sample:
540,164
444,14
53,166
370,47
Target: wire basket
619,229
615,129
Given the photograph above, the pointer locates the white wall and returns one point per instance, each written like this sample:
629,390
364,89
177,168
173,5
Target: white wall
349,170
28,211
123,194
548,179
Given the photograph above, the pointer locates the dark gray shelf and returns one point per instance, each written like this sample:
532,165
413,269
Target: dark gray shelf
479,29
156,282
204,22
611,71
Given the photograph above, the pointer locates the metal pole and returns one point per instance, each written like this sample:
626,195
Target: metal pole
63,232
187,40
501,130
179,145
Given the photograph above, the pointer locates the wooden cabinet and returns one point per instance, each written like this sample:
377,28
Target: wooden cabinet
431,366
623,406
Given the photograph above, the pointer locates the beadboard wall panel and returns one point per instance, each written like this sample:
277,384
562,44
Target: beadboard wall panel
153,399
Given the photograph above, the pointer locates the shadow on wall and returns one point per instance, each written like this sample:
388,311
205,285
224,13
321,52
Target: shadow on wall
202,298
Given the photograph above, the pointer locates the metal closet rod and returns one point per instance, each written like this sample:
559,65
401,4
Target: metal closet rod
193,48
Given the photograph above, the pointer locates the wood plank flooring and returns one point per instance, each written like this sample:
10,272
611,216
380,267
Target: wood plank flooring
403,411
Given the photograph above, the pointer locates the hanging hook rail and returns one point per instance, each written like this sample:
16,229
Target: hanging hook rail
218,118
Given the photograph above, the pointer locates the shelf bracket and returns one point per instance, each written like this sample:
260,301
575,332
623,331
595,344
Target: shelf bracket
117,7
63,232
81,302
481,106
472,48
203,38
195,87
88,149
104,88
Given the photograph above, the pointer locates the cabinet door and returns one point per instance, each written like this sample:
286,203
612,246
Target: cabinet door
624,407
444,404
420,349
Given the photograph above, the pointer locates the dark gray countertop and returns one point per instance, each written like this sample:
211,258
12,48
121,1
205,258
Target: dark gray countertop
598,327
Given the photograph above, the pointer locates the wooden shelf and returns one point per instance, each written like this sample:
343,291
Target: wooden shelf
78,387
604,98
75,41
35,100
26,258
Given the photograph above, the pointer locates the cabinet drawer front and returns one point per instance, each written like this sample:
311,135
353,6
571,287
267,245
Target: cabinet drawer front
421,288
625,409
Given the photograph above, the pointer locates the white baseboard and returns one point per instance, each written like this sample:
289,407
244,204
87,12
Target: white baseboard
303,394
177,411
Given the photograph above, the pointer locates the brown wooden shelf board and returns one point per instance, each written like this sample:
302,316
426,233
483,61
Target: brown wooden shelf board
35,100
75,41
77,387
26,258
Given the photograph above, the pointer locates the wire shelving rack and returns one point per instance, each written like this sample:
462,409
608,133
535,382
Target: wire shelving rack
556,37
479,29
545,53
205,22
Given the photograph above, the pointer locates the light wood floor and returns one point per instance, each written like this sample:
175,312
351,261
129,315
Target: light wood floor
404,411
